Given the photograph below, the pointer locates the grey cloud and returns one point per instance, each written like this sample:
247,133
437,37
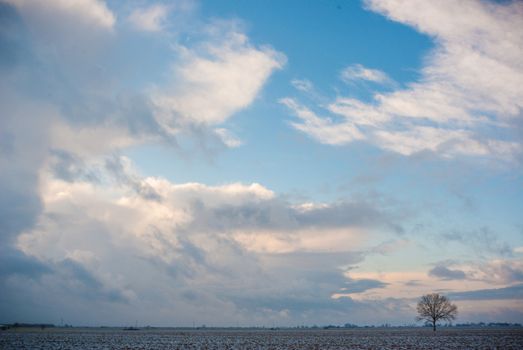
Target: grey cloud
512,292
482,240
116,168
413,283
86,285
19,206
11,51
279,214
362,285
70,167
15,262
342,214
503,271
21,155
445,273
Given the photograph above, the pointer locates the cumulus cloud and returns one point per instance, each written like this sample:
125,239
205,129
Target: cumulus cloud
468,90
193,244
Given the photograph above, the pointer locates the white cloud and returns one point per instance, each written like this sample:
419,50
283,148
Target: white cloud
469,88
358,72
444,142
358,112
322,129
228,138
212,83
92,13
150,19
302,85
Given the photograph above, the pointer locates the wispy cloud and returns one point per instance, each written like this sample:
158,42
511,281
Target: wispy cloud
302,85
468,91
357,72
323,129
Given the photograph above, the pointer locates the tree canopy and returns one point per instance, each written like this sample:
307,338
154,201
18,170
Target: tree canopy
434,307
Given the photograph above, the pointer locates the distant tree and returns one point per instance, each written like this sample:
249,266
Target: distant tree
435,307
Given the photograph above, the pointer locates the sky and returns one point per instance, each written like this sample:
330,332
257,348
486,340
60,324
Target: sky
260,163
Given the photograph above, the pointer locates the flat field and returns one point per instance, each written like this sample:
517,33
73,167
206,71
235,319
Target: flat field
156,338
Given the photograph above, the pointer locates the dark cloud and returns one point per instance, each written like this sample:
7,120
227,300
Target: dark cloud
12,34
445,273
70,167
362,285
15,262
78,280
512,292
22,152
123,178
278,214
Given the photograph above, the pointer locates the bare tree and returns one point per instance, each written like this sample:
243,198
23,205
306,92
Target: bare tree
435,307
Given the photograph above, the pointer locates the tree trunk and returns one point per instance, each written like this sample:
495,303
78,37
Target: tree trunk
433,326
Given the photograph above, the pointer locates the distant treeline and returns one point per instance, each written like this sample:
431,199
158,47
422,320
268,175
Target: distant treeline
27,325
491,324
387,325
345,326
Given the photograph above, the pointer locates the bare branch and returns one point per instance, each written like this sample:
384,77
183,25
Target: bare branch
434,307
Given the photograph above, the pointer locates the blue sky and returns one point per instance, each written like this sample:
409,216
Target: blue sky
259,163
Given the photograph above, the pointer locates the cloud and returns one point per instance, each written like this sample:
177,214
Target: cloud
483,241
303,85
228,138
213,82
191,244
150,19
357,72
467,93
445,273
67,113
512,292
499,271
78,108
14,262
92,12
60,21
322,129
361,285
493,272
